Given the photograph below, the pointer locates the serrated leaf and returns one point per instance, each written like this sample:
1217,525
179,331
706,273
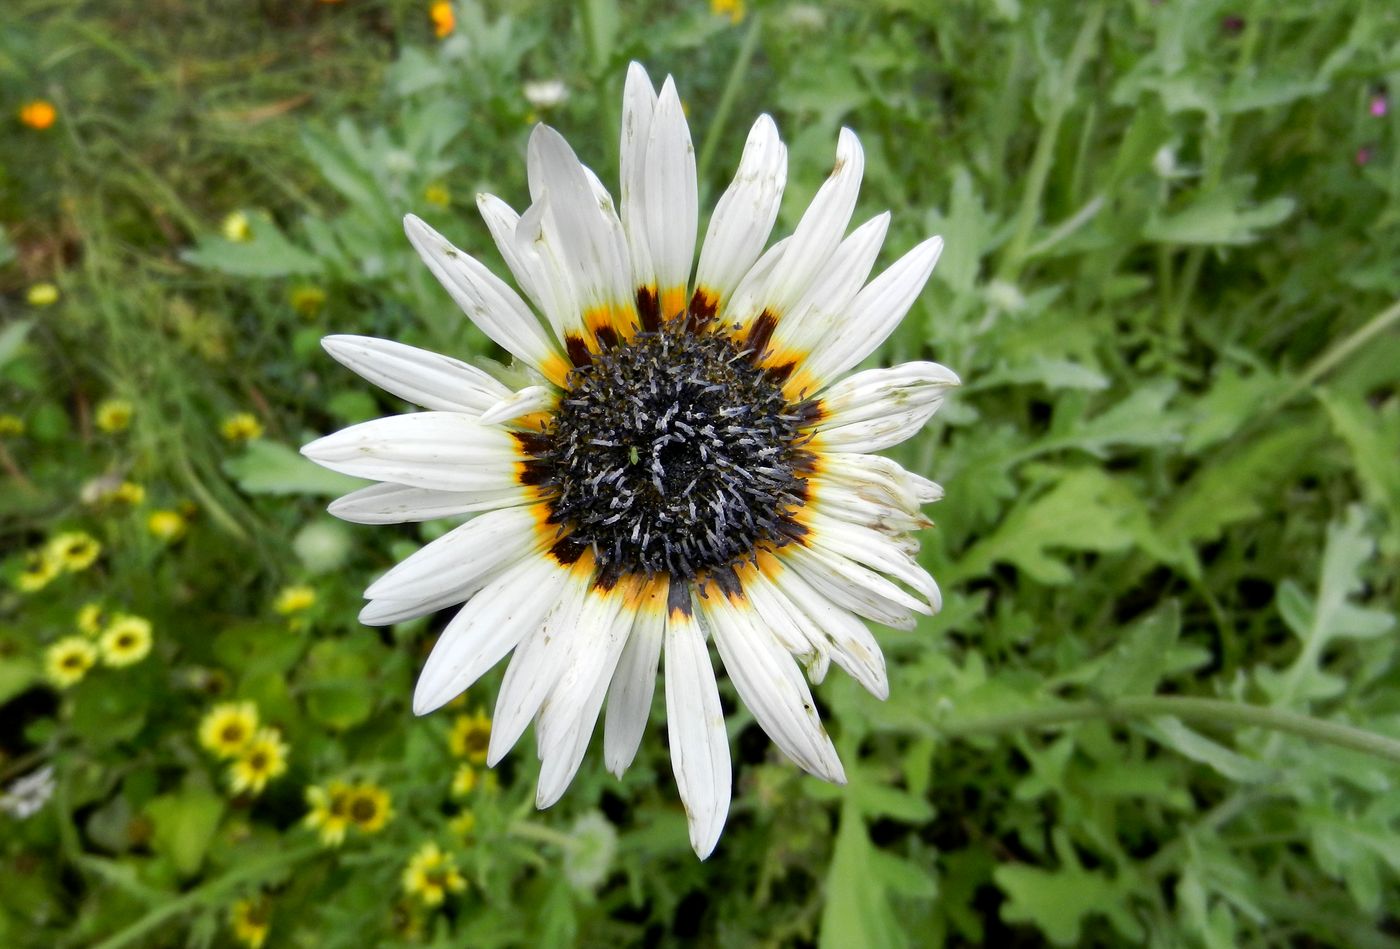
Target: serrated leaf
1233,765
1139,660
1218,218
857,910
1057,902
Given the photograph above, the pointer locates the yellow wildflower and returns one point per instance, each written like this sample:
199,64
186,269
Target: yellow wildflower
42,294
74,551
307,300
471,734
114,415
463,824
734,9
68,660
39,571
241,427
165,525
227,728
431,875
369,807
437,195
261,760
235,227
443,17
128,492
92,618
126,641
11,426
249,919
464,780
39,114
294,599
329,811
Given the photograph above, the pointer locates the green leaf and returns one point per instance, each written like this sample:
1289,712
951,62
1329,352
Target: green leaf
1372,436
1140,659
267,467
268,253
185,823
1197,747
12,339
1218,218
337,686
857,910
1057,902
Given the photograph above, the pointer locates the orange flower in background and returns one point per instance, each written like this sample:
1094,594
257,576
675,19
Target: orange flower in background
39,114
444,20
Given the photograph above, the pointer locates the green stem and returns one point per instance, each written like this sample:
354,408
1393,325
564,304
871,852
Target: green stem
1339,352
207,894
1206,711
720,119
1044,155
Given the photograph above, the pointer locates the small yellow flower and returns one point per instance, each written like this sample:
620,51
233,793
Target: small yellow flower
74,551
39,114
42,294
167,526
464,780
91,619
307,300
369,807
126,641
463,824
241,427
443,17
261,760
249,919
734,9
114,415
437,195
471,734
68,660
128,492
39,571
235,227
294,599
329,811
431,875
227,728
11,426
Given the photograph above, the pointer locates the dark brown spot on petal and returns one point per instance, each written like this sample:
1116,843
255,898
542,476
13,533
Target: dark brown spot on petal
578,350
678,598
648,308
760,334
703,306
567,550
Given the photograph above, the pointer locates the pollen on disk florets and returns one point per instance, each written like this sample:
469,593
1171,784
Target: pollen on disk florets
671,453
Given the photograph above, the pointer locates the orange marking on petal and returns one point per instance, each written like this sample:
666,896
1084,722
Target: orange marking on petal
673,303
556,369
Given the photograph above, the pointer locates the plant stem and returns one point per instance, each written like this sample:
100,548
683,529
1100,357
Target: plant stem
1208,711
1341,350
720,119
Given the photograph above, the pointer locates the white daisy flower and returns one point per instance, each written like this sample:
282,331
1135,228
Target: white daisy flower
690,465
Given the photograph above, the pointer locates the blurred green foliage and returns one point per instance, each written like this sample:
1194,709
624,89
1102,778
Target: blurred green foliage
1170,286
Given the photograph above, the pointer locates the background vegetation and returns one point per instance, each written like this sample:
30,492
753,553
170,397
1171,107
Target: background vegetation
1155,707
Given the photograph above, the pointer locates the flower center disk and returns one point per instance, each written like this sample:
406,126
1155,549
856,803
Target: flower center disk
671,453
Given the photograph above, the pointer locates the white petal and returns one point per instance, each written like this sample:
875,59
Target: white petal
743,218
545,288
417,375
823,307
464,552
670,200
746,302
770,684
879,477
633,685
787,623
485,298
853,587
874,313
638,106
537,664
390,610
862,545
570,711
516,405
846,504
879,433
695,732
876,393
852,645
442,451
399,504
489,626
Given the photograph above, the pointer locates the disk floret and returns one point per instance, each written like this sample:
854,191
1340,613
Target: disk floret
673,453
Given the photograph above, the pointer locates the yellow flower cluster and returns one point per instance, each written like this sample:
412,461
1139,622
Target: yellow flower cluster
431,875
68,552
38,114
443,17
126,641
68,660
114,415
258,755
339,805
294,599
166,526
249,921
471,736
241,427
41,294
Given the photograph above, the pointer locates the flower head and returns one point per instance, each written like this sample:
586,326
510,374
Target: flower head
228,727
249,921
128,492
236,228
544,93
369,807
11,426
38,114
166,526
91,619
41,294
307,300
330,811
261,760
464,780
471,736
114,415
690,462
68,660
294,599
39,571
443,17
431,875
74,551
126,641
733,9
241,427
